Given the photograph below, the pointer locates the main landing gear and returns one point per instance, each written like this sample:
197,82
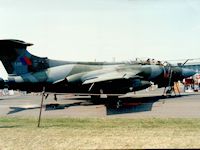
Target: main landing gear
114,100
47,95
109,101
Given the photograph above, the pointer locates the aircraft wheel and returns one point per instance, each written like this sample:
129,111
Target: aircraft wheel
115,100
112,97
95,99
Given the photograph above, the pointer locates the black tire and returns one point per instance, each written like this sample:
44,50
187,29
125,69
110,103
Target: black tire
95,99
114,101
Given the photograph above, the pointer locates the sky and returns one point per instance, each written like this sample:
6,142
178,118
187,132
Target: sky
103,30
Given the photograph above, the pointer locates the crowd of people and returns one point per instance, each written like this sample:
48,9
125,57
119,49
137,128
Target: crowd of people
149,61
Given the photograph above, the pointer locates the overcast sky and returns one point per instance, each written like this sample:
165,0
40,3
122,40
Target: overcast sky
86,30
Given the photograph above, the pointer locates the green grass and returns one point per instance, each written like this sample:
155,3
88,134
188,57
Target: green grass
100,133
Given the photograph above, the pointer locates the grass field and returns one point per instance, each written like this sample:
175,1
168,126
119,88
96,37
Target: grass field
103,133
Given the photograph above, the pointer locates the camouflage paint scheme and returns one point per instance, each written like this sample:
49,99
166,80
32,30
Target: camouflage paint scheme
31,73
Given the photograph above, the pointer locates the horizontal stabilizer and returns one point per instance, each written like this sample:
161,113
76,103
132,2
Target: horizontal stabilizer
13,43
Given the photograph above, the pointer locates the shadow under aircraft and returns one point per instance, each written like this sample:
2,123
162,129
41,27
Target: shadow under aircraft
128,105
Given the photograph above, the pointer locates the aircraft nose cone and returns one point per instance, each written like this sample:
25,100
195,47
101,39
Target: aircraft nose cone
187,72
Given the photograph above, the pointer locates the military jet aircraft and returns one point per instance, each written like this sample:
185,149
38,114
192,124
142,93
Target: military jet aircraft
31,73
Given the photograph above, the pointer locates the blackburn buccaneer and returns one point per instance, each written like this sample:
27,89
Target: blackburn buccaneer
31,73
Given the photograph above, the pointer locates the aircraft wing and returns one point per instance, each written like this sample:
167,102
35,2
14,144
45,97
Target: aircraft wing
111,76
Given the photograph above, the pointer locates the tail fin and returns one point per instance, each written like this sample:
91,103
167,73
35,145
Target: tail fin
17,60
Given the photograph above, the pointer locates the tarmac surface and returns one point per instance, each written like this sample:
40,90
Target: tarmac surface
140,105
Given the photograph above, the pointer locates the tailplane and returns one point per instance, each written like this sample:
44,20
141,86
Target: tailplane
17,60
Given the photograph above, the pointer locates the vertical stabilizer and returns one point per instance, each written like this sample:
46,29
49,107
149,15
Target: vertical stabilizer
17,60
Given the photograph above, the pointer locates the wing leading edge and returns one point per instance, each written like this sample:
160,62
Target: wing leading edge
111,76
